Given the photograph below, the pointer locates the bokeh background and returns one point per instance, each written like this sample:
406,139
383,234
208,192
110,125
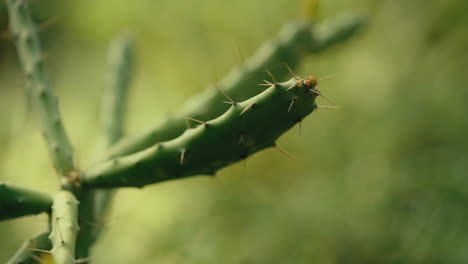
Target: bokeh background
383,180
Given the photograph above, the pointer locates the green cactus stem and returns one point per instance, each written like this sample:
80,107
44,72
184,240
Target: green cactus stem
30,251
245,128
95,203
65,228
39,87
16,201
294,41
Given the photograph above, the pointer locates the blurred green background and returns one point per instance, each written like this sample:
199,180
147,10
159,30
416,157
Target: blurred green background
383,180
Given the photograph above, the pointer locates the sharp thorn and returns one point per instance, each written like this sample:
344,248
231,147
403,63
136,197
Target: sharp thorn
292,102
273,78
225,95
317,92
328,107
196,120
187,123
182,156
326,99
291,72
247,108
284,151
290,87
326,77
82,260
238,53
40,250
59,229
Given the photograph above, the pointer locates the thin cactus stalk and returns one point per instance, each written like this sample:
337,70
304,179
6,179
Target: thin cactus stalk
247,127
221,135
30,251
294,41
65,228
45,102
120,63
16,201
95,203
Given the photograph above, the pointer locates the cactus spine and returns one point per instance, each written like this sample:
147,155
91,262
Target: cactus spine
26,255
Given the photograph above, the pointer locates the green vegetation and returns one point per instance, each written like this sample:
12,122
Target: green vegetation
382,180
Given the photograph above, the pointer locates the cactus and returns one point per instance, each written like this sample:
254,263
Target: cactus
18,201
244,129
46,104
253,118
24,255
64,227
296,39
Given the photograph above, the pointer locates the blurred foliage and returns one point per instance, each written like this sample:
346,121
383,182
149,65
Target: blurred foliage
383,180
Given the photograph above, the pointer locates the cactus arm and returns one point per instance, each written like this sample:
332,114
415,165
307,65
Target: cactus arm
121,57
295,40
335,31
95,203
39,87
64,227
244,129
26,253
16,201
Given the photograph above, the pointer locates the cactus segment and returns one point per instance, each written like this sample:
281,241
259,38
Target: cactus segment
28,252
120,60
295,40
335,31
65,228
245,128
39,87
95,203
16,201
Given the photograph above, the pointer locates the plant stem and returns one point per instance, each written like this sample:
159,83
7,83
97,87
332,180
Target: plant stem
296,39
95,203
16,201
247,127
39,87
27,253
65,228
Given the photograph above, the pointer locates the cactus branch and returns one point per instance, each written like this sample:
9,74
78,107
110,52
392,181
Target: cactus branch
295,40
29,252
39,87
16,201
335,31
64,227
121,57
259,128
95,203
